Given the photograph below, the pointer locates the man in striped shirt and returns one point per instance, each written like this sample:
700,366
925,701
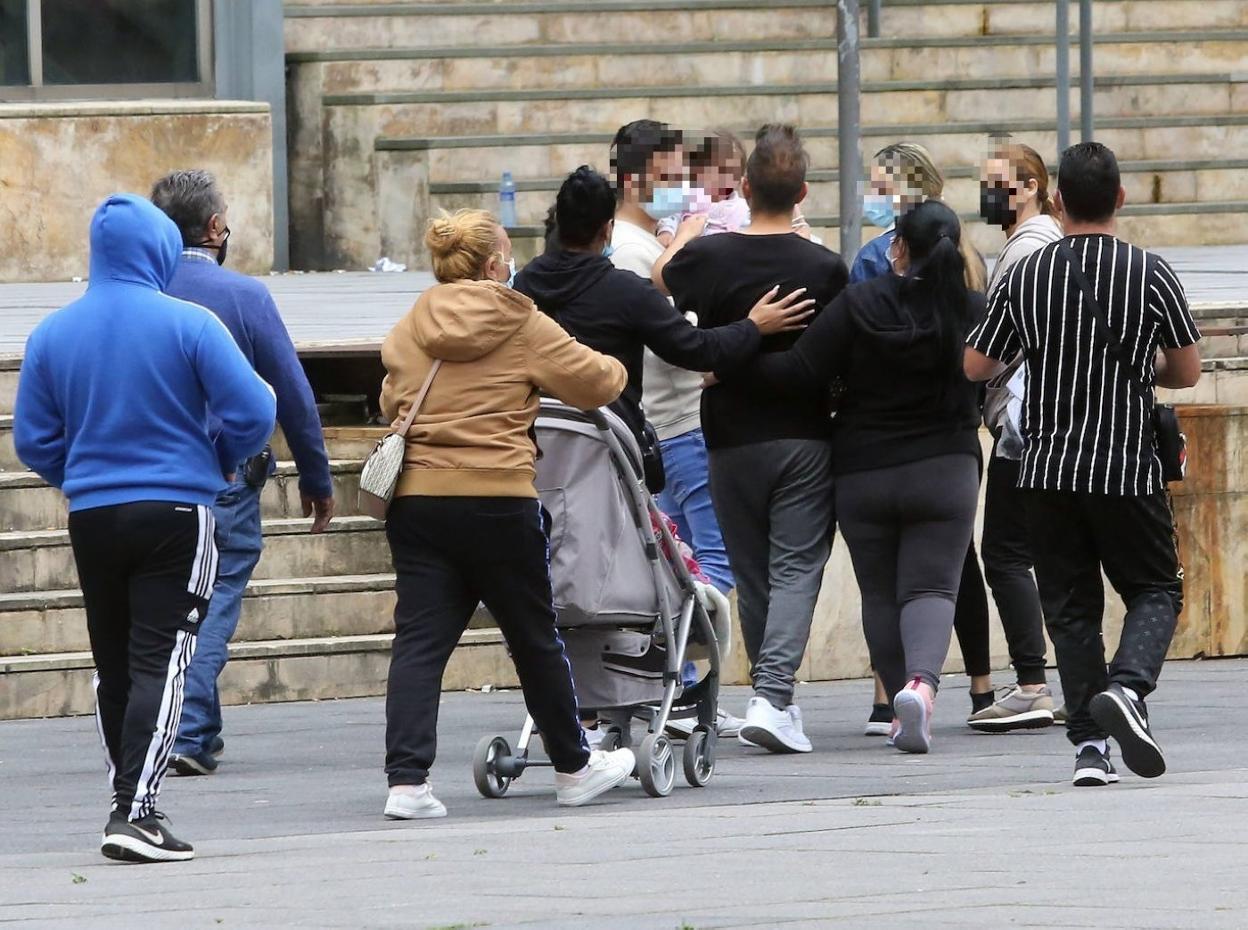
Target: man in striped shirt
1096,499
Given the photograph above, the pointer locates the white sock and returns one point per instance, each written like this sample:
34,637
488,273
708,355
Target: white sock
1131,694
1100,744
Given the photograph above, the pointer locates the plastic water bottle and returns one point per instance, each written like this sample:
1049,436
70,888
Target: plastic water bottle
507,201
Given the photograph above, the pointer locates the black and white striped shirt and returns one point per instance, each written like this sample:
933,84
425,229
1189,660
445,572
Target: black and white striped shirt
1086,427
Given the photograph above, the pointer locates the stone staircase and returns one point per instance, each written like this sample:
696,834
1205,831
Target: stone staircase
316,619
398,109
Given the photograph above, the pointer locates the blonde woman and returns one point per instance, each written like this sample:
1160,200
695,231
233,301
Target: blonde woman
902,176
466,526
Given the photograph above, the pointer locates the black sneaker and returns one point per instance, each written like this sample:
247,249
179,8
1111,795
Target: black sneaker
1093,769
1126,720
217,747
880,723
146,840
193,763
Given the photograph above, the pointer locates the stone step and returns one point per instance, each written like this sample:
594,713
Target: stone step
344,443
1145,182
8,455
9,367
44,561
36,622
539,155
1013,17
58,685
519,110
313,26
750,61
27,504
450,25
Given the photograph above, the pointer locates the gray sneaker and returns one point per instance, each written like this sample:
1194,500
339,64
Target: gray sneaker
1015,710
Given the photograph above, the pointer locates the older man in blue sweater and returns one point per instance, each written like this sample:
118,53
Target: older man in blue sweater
194,202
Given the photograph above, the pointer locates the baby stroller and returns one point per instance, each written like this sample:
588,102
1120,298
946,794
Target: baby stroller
627,607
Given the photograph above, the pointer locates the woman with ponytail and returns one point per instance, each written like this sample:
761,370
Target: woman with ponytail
905,449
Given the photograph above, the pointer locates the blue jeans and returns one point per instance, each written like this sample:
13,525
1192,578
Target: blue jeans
687,500
237,510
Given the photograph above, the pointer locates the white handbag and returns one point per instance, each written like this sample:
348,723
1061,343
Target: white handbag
381,471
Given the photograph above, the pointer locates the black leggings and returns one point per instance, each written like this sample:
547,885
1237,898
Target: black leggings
146,571
970,617
451,553
907,528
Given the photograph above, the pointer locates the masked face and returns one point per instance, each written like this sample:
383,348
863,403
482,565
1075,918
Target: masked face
877,209
665,201
222,248
995,205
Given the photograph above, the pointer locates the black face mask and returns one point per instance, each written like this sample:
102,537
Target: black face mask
994,206
221,249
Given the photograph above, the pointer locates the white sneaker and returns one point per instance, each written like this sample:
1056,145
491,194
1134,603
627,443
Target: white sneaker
726,725
593,738
606,770
420,805
774,730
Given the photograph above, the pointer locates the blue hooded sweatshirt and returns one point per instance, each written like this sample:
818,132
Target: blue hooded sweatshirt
117,388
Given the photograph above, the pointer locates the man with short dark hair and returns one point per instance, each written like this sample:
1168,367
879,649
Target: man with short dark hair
770,457
194,202
1090,313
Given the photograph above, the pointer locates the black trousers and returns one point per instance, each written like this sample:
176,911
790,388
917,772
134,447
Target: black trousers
1132,538
146,571
451,553
1006,547
970,617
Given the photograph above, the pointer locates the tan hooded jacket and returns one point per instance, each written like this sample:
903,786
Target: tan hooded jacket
472,437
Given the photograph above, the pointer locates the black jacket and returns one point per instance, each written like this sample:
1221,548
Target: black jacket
905,397
620,314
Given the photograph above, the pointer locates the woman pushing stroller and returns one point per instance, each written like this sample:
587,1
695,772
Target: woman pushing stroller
466,526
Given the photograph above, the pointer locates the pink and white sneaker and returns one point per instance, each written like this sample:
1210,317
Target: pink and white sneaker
913,709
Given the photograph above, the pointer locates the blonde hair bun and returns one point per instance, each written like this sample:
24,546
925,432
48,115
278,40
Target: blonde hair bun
461,243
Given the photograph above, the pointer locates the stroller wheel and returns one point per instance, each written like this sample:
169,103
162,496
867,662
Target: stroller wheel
612,740
656,765
489,752
699,758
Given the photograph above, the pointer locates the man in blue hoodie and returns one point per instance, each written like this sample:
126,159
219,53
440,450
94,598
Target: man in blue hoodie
114,405
194,202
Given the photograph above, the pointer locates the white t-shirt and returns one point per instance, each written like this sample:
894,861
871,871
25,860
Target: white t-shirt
670,396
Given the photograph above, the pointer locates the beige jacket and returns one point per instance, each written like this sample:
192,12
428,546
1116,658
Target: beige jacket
473,436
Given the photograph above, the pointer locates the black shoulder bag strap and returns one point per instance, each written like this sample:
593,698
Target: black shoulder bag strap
1170,442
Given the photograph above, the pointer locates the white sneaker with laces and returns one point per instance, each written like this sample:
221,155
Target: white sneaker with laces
774,730
606,770
414,805
728,726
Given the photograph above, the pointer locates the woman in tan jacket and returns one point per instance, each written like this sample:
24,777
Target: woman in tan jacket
466,526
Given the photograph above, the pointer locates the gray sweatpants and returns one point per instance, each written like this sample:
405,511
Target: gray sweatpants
774,504
907,528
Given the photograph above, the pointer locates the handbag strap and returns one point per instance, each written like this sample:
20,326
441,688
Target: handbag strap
419,401
1112,343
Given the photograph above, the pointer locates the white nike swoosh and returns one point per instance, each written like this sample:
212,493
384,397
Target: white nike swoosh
155,839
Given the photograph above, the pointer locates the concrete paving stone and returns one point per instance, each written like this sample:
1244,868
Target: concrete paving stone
289,833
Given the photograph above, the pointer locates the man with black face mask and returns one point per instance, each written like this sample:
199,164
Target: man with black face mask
193,201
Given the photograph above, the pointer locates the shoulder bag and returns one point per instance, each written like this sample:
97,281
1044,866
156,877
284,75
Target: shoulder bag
1169,440
381,471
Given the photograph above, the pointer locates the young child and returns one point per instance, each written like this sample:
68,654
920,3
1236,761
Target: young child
715,168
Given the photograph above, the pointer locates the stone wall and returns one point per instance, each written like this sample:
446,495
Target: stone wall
58,161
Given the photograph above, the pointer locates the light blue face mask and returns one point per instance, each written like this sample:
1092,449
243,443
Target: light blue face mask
877,209
664,202
608,250
511,278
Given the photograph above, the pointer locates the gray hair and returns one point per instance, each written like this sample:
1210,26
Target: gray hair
189,198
